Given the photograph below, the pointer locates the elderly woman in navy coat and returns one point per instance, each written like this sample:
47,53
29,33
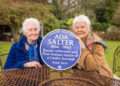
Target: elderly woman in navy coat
25,53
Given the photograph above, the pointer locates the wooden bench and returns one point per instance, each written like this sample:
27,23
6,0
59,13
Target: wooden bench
42,77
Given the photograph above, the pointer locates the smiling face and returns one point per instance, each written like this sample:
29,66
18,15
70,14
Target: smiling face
81,29
32,34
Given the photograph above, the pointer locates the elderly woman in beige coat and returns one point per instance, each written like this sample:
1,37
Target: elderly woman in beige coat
93,47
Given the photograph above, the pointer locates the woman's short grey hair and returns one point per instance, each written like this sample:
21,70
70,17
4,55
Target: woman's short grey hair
30,23
82,18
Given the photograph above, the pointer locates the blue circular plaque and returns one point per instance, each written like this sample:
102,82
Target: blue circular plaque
60,49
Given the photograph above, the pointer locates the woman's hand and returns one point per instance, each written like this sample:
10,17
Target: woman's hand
81,42
33,64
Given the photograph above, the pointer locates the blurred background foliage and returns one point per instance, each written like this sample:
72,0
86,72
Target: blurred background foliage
104,14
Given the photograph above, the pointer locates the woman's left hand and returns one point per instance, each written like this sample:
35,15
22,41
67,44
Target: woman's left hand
34,64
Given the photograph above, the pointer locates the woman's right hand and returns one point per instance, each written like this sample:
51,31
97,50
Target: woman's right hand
81,42
33,64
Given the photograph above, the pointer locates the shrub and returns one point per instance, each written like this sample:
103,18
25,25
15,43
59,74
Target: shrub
100,26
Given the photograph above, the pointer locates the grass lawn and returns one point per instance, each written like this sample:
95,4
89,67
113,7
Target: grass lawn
4,48
112,45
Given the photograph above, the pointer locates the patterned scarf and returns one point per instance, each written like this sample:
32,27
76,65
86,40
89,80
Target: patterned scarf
32,52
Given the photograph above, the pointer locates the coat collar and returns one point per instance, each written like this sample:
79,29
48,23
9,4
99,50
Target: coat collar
23,40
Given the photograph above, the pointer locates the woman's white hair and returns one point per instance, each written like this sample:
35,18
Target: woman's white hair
82,18
30,23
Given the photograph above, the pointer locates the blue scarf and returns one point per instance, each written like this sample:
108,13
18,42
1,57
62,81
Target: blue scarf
32,52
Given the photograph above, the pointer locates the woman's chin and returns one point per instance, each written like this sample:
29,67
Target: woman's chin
35,39
82,36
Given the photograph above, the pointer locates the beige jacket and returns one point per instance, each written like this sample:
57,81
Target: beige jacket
94,59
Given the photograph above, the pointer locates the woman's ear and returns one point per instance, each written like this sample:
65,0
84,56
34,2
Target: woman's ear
72,28
23,33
